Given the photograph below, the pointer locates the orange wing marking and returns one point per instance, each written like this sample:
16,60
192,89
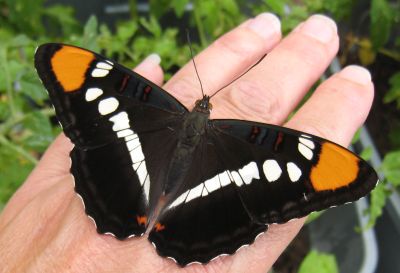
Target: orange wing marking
70,65
159,227
336,168
141,220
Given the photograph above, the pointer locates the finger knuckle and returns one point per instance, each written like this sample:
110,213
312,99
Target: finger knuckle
306,53
254,101
184,90
351,95
240,43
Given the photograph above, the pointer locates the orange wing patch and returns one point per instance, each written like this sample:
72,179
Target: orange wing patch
159,227
336,168
70,65
141,220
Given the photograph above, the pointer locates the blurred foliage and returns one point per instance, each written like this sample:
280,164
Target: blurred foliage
317,262
27,120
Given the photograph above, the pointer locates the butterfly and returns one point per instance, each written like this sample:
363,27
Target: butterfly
198,187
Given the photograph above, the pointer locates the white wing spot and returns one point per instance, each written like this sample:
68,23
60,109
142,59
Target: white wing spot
132,144
121,121
306,136
130,137
142,173
179,200
212,184
236,177
308,142
249,172
98,72
93,93
224,179
124,133
195,192
137,155
205,192
104,65
293,171
107,106
147,187
305,151
272,170
136,165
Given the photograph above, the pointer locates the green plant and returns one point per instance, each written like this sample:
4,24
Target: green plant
319,263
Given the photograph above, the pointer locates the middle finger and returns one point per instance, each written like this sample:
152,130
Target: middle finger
226,58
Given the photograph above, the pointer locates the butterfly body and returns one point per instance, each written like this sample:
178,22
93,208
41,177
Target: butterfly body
193,129
202,187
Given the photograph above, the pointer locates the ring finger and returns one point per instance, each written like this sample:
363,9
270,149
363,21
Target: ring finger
271,90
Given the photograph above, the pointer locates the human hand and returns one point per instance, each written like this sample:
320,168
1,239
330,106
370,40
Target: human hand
44,228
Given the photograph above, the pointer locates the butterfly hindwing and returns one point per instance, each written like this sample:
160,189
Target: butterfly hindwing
298,173
207,219
105,110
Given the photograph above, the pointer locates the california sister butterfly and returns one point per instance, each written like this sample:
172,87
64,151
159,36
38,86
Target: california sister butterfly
199,188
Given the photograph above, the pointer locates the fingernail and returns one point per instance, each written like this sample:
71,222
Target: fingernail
357,74
149,62
153,58
320,27
265,25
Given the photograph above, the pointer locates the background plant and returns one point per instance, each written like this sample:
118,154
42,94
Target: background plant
27,122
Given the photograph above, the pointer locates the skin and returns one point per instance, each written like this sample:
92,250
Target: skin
44,228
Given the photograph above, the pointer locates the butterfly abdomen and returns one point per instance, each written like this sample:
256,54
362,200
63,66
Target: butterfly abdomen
193,129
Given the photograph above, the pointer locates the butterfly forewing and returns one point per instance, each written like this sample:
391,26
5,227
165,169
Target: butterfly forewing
105,110
298,173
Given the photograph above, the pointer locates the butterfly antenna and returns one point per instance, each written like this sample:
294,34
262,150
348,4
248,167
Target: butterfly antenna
194,63
251,67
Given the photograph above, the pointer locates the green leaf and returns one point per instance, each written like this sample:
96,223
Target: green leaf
24,16
313,216
316,262
126,30
230,6
276,6
393,94
356,137
4,109
378,201
37,134
89,39
13,171
159,7
391,167
151,25
179,6
32,87
20,40
381,22
366,153
62,17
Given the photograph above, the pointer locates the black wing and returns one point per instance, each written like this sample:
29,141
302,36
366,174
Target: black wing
298,173
250,175
113,116
207,219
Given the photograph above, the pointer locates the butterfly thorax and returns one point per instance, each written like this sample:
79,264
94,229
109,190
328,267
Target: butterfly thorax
193,129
